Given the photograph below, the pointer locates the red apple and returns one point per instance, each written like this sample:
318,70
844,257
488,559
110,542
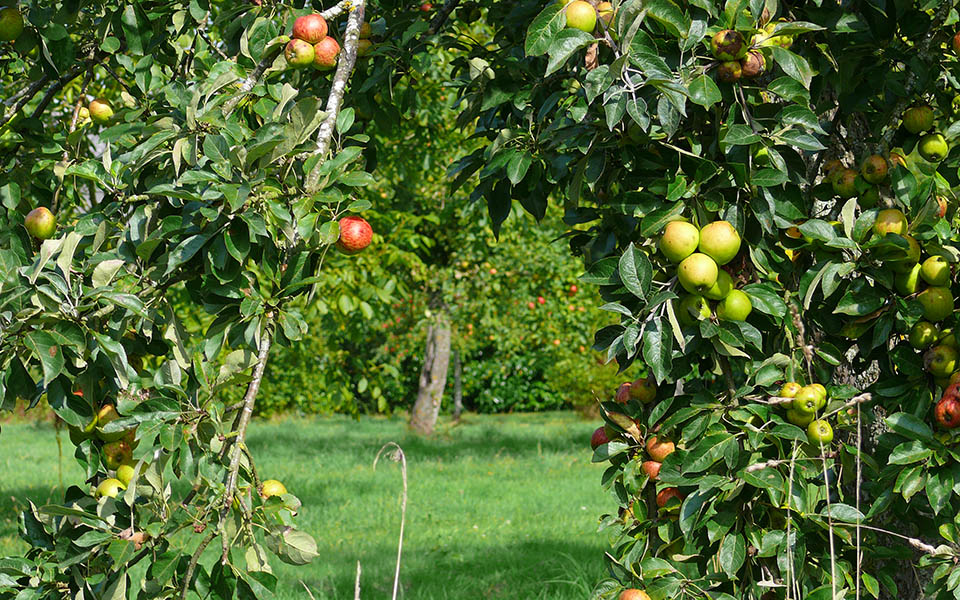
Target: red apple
659,449
326,52
41,223
623,393
667,494
651,468
355,234
310,28
599,438
541,300
947,412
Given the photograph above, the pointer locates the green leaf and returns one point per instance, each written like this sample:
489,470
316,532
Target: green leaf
635,271
49,353
909,452
543,29
705,92
657,348
732,553
793,65
842,512
565,45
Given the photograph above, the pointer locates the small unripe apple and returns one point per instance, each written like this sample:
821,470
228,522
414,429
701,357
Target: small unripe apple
918,119
697,273
903,261
907,283
721,288
729,71
940,361
364,46
799,418
869,198
299,54
116,454
692,308
40,223
807,400
581,15
11,24
933,147
720,241
844,183
728,45
355,234
679,240
100,111
937,303
874,168
272,487
325,54
819,432
753,64
365,30
310,28
110,488
831,169
935,270
923,335
605,10
890,220
735,307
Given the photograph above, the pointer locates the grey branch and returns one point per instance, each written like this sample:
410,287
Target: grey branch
338,9
253,78
26,95
442,15
348,58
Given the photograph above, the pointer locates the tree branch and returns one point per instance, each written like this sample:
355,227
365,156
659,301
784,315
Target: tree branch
253,79
58,85
348,59
442,15
241,431
193,563
27,93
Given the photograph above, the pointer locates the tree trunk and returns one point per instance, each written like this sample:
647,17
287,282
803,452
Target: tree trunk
433,377
457,386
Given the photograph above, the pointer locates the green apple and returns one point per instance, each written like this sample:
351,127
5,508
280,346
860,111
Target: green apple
40,223
874,168
890,220
844,183
807,400
735,307
937,303
907,283
933,147
11,24
679,240
935,270
692,308
299,54
819,432
918,119
729,71
904,261
116,454
869,198
581,15
720,241
721,288
697,273
798,418
110,487
100,111
923,334
940,361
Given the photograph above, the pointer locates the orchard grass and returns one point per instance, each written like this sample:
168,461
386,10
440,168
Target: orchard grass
500,506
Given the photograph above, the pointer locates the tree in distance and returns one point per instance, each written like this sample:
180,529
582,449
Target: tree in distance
923,334
11,24
729,71
299,54
874,169
890,220
355,234
692,308
272,487
844,183
110,487
735,307
721,288
100,111
310,28
697,273
325,54
940,361
659,450
679,240
935,270
918,119
581,15
728,45
720,241
933,147
937,303
41,223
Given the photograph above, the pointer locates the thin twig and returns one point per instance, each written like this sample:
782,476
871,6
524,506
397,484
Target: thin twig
348,59
27,93
253,78
396,455
356,586
193,563
442,15
210,43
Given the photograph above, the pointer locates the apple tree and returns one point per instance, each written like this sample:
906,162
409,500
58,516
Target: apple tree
156,151
764,193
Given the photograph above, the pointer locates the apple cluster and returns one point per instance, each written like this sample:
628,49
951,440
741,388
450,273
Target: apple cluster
739,60
311,45
698,255
803,402
931,145
116,449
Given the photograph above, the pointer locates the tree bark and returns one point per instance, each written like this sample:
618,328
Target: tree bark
457,386
433,377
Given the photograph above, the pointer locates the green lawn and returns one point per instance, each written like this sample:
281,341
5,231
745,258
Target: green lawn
499,506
